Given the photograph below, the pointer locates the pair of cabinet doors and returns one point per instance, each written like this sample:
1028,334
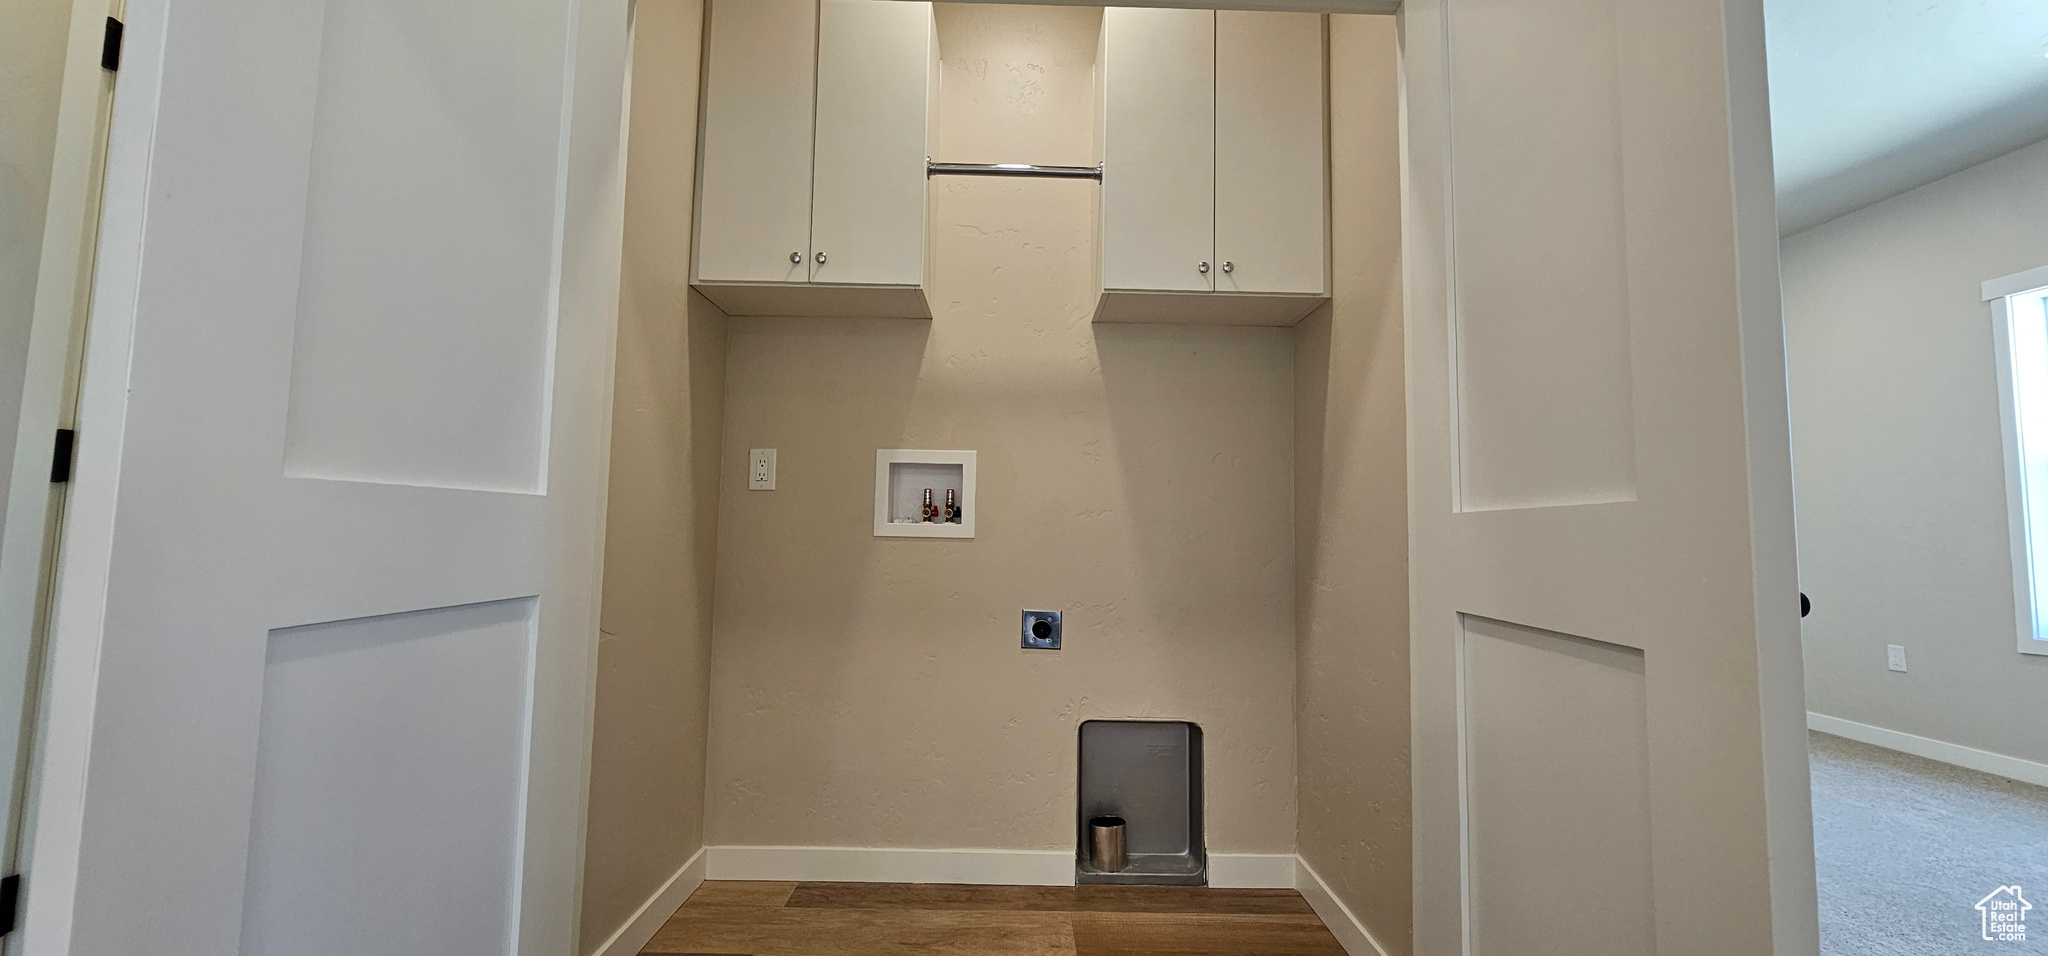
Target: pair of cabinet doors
811,176
812,166
1214,152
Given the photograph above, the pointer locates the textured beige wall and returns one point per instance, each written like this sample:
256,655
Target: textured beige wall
1019,85
647,756
1351,511
870,691
1898,461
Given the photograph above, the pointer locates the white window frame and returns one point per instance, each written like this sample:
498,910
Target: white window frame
2001,293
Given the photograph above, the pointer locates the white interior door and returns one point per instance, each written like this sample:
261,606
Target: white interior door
325,623
1158,149
754,175
867,201
1609,735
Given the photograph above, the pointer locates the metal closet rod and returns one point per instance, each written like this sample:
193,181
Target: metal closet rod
1011,169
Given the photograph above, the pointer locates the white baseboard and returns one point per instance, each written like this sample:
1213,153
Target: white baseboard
1350,933
656,911
840,864
1252,871
2012,768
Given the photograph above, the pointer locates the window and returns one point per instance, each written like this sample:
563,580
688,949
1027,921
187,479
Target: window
2019,306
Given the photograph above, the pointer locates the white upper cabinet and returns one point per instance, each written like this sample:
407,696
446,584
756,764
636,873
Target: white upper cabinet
754,167
811,170
1215,186
867,206
1158,148
1270,196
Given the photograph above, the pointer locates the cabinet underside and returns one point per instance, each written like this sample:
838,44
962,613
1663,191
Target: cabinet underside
818,299
1205,308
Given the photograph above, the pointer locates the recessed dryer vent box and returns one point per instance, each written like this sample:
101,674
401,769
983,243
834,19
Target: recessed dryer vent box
901,477
1149,772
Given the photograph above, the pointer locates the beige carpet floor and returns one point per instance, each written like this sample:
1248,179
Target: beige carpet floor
1906,847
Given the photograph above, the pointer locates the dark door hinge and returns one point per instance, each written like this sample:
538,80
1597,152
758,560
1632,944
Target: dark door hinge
60,459
110,46
10,900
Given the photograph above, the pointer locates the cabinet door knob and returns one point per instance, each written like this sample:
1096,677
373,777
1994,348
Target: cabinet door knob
1228,267
1202,268
796,258
821,258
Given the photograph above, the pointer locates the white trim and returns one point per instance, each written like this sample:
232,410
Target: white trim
648,919
2011,768
2015,485
77,612
884,528
1350,932
2016,283
856,864
50,380
851,864
1252,871
2019,533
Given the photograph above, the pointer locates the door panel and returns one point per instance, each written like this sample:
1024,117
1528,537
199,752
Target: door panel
418,364
874,67
754,171
324,764
1546,410
1600,507
1158,148
1560,832
1270,181
328,600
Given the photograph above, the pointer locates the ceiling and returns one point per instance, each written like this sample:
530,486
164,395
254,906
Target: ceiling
1870,98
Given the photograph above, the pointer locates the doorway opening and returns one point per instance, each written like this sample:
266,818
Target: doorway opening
1911,176
1110,297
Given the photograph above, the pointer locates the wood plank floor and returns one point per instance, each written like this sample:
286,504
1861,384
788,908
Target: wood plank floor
899,919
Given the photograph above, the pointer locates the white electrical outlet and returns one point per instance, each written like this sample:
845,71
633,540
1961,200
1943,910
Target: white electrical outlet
761,469
1895,657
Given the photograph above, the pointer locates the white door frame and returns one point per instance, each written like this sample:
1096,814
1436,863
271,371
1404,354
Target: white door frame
1998,294
577,468
63,273
71,673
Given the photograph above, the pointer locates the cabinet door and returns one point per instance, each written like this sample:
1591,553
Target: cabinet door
1270,183
867,212
1158,148
754,180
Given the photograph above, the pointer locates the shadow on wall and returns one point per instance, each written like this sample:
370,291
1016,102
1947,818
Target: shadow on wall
1351,510
1209,503
796,622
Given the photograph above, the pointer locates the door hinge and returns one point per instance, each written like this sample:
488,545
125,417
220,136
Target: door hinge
10,899
60,458
110,46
